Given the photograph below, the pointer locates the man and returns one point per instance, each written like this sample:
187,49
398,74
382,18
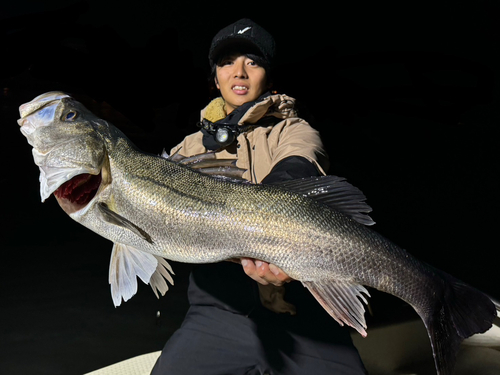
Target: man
234,325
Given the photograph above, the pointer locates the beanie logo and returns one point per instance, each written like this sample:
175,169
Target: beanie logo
244,30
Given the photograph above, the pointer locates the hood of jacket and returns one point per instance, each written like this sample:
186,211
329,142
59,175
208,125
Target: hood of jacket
276,105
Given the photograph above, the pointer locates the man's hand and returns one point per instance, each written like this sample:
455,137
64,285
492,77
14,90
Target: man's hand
264,273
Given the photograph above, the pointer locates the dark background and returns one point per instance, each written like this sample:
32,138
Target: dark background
405,96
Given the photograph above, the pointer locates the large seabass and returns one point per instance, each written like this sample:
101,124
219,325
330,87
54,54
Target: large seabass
315,229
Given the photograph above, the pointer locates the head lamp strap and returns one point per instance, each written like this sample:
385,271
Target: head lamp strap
230,124
210,129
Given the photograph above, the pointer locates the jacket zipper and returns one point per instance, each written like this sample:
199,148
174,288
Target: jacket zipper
253,165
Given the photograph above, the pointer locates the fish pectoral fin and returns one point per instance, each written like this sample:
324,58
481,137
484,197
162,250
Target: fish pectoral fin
342,300
127,263
112,217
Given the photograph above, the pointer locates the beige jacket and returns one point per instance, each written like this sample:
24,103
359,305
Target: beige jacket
261,148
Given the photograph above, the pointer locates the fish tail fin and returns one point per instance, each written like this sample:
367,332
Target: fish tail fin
461,312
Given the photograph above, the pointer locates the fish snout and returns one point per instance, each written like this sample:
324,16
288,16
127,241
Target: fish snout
41,101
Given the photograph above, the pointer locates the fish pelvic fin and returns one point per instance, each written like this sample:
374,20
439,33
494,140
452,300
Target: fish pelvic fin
343,300
461,312
159,278
128,263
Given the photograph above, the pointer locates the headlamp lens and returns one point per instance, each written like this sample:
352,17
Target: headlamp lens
224,136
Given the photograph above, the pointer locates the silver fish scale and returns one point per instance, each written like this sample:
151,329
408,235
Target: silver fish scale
195,218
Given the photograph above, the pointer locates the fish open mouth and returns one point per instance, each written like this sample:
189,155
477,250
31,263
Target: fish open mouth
76,193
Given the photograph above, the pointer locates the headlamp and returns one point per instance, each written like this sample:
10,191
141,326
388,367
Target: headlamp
224,136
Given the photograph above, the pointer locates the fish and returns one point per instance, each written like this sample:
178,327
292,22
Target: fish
156,208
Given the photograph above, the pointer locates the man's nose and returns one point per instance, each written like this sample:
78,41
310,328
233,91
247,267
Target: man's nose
239,70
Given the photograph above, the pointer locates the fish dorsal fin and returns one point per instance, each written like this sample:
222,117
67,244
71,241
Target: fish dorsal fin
128,263
341,300
335,192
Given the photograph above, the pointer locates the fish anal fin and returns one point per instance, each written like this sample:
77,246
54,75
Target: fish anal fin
342,300
128,263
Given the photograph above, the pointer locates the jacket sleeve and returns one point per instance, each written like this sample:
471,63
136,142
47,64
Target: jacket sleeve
191,145
291,168
296,138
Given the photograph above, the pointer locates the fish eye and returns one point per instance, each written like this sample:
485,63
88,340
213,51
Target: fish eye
70,116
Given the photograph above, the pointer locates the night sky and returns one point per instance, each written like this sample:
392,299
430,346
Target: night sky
406,98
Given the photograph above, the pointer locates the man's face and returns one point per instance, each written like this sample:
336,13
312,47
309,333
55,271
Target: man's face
240,80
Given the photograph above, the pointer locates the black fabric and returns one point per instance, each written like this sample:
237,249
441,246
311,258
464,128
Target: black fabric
213,341
209,141
223,285
291,168
242,32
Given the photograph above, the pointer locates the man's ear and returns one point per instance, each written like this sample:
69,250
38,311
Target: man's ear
217,83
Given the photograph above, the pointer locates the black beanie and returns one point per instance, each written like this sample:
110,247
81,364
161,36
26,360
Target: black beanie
247,33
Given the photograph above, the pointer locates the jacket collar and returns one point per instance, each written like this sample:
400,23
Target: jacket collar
232,122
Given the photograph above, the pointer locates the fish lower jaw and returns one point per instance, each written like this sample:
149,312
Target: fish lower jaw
77,193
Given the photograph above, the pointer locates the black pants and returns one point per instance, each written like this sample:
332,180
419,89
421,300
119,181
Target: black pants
213,341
